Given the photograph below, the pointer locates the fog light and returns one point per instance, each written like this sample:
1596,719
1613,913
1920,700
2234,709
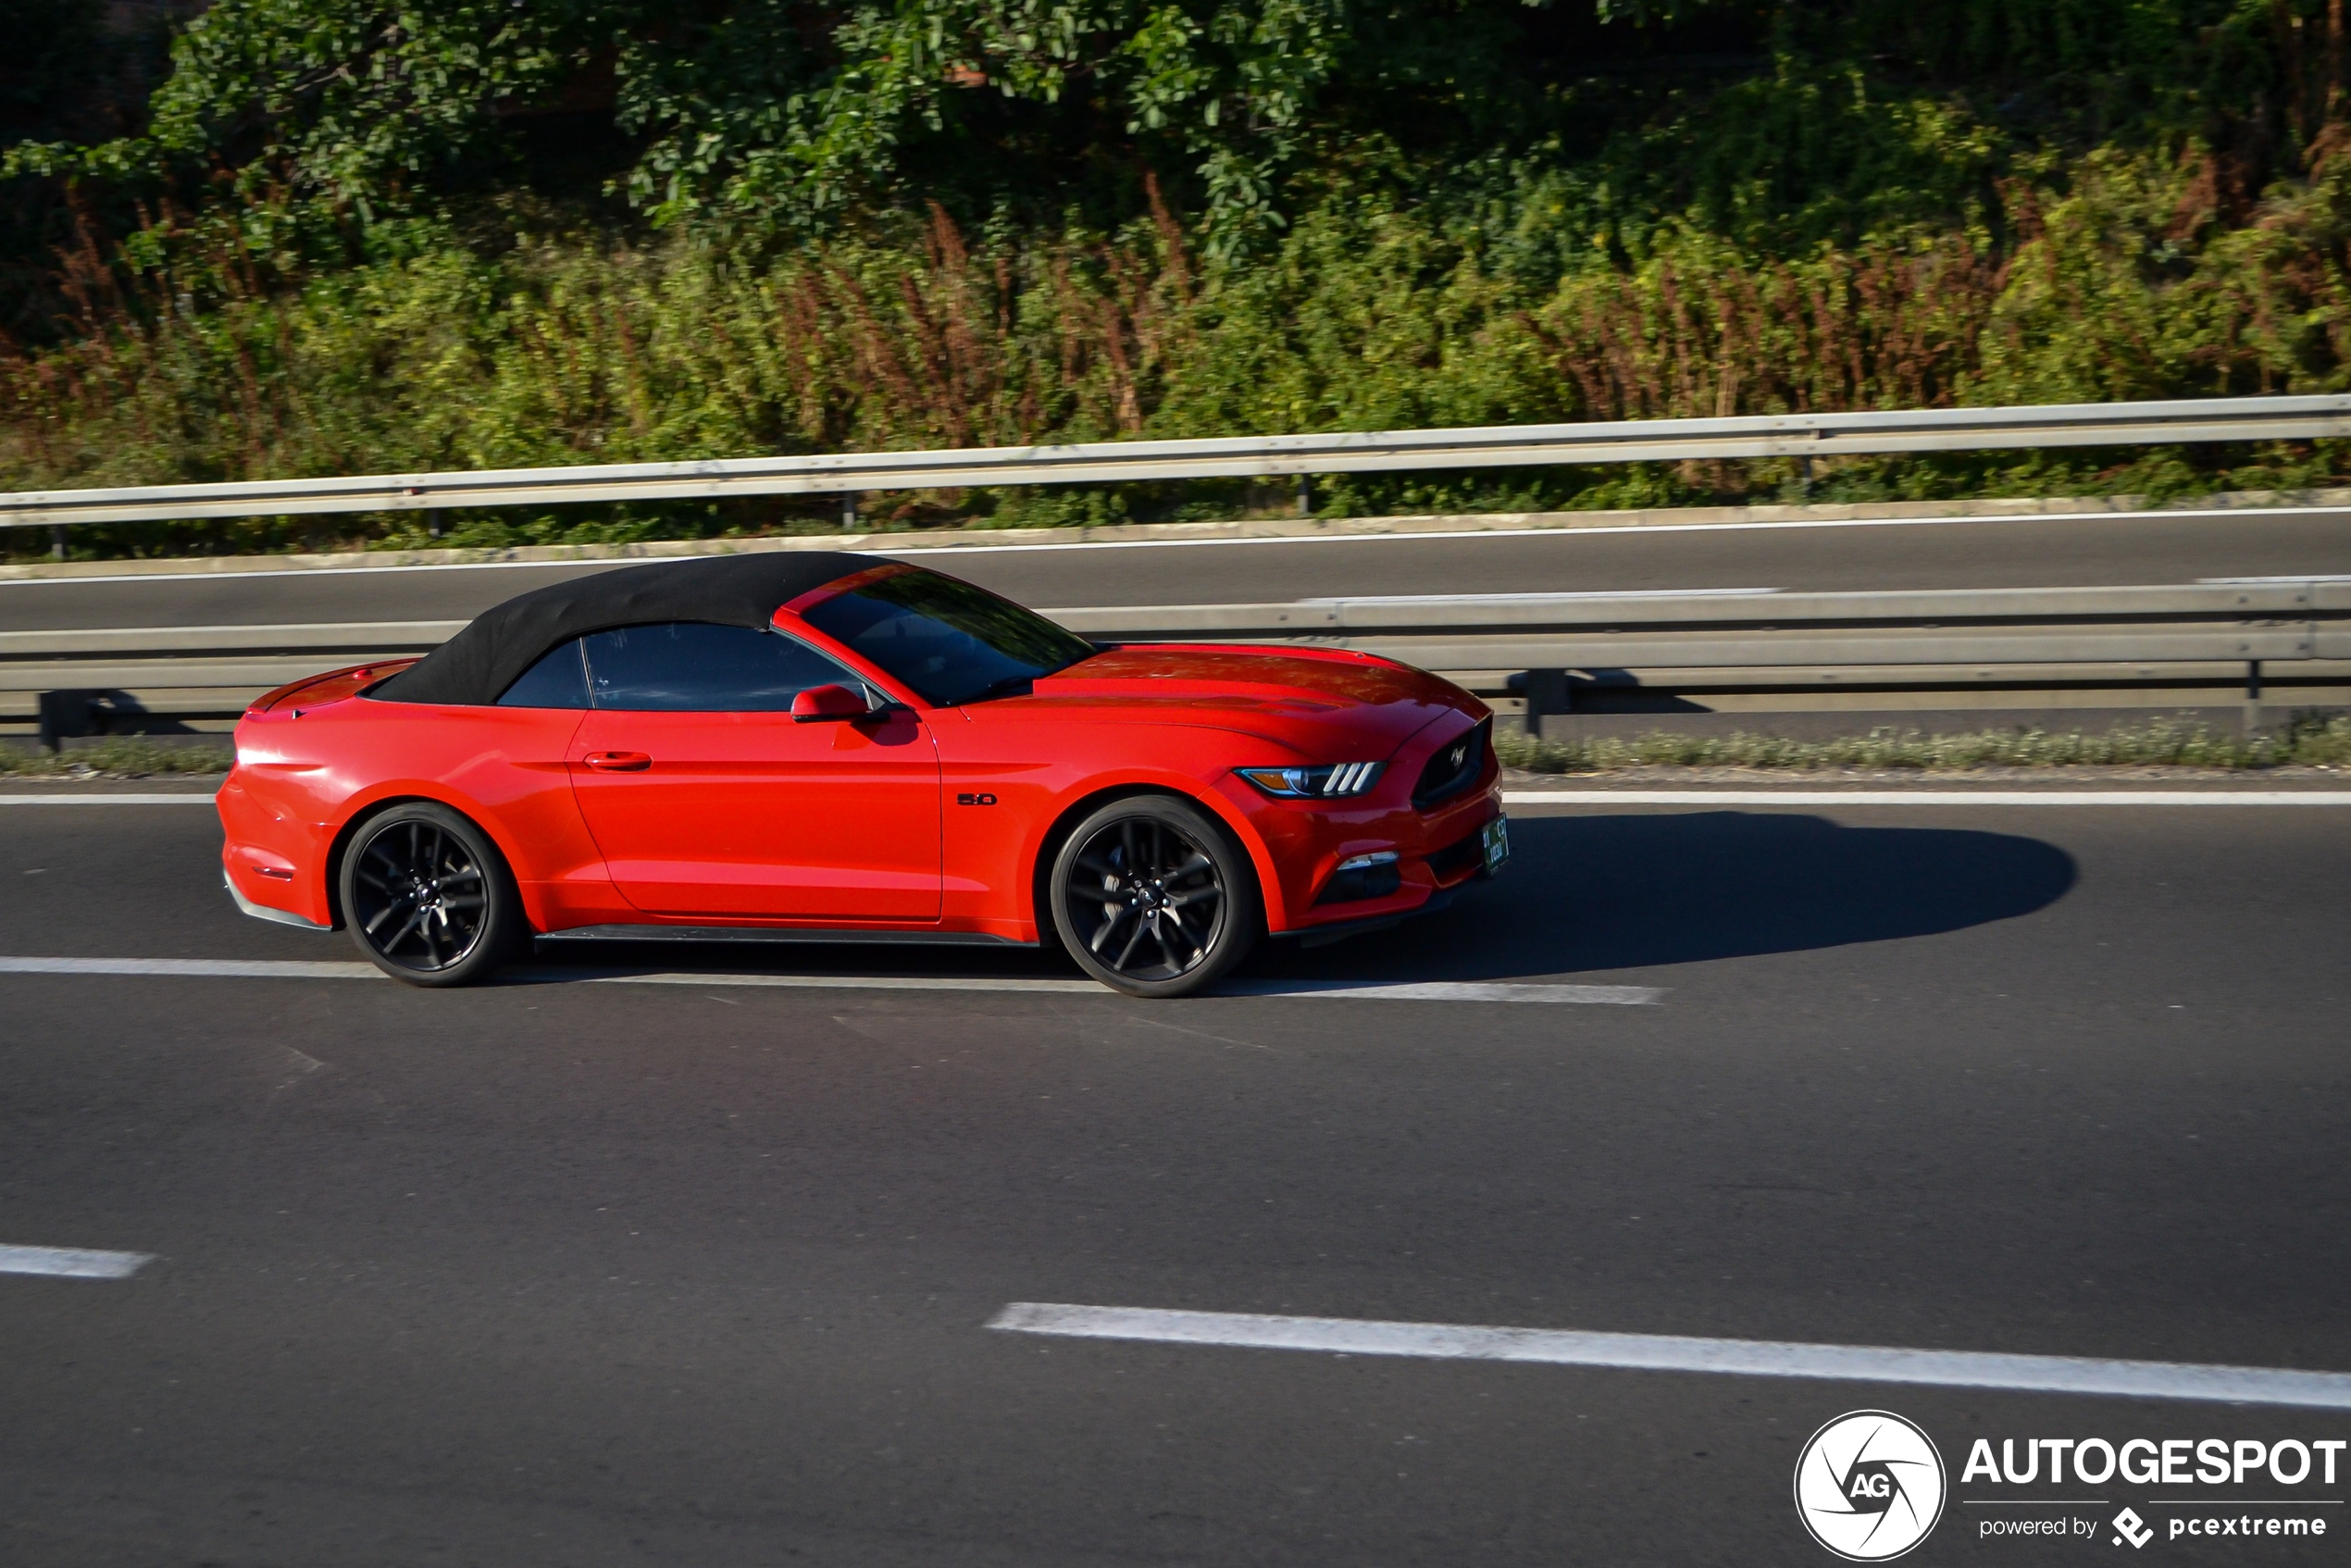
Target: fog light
1373,876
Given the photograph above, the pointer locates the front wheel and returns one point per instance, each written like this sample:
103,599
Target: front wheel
1152,898
426,897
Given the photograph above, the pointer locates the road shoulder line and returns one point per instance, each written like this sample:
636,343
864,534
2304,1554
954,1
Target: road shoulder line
1668,1352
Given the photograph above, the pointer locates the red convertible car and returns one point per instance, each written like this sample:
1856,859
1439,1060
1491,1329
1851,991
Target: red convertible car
828,747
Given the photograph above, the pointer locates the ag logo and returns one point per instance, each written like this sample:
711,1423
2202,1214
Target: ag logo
1869,1486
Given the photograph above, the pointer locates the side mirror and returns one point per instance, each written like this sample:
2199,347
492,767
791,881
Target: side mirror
819,704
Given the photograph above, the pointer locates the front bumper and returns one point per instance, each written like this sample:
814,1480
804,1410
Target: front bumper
1437,850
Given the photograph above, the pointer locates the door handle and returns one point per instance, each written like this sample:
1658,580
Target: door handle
619,762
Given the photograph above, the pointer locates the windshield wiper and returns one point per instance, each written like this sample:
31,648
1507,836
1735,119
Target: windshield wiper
1010,686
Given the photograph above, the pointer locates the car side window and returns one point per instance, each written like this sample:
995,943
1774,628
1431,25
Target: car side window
692,666
558,681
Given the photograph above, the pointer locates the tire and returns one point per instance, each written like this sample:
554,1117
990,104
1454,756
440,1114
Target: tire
1151,896
429,898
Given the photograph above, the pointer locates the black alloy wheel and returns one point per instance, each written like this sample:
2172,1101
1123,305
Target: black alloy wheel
426,897
1153,898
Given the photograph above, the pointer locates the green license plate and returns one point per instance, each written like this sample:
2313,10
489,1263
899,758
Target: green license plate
1497,843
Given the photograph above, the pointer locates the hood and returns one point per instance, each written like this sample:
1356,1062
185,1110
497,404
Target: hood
1327,704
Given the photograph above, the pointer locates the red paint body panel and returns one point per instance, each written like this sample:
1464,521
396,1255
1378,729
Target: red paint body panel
930,818
754,815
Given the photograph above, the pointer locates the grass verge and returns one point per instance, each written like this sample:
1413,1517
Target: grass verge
2309,742
129,755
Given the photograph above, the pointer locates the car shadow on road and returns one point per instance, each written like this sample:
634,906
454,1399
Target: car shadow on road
1636,891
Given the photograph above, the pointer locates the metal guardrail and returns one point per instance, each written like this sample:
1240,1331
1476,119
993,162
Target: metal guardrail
2047,638
1774,435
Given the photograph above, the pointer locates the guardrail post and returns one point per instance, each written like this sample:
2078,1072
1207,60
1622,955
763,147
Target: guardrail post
64,715
1305,495
2252,698
849,511
1548,691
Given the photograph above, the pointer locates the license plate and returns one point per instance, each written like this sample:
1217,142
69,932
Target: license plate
1497,838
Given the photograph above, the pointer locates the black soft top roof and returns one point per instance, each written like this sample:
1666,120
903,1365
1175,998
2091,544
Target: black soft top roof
477,666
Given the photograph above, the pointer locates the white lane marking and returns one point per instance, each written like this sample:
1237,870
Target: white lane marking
1622,528
72,1263
291,969
1577,595
1927,797
210,968
2252,581
876,544
1672,1352
1449,991
182,799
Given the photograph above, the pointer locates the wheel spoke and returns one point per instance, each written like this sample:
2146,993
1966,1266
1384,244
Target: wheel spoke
420,897
1159,892
415,922
1172,922
1112,913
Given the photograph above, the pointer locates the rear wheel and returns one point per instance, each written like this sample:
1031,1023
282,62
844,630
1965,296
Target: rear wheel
1152,897
426,897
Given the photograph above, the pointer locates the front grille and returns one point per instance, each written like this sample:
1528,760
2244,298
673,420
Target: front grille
1454,768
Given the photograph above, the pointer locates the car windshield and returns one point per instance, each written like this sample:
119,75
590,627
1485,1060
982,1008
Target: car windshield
949,641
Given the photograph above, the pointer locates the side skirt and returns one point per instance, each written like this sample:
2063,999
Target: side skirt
778,934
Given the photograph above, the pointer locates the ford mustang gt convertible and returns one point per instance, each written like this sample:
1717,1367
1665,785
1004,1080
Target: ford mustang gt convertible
826,747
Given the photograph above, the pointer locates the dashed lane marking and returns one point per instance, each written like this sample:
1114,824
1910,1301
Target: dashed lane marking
1450,990
1672,1353
289,969
72,1263
212,968
184,798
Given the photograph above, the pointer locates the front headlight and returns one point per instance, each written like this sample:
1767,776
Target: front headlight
1326,781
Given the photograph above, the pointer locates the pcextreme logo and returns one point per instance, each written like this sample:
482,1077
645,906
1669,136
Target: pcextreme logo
1870,1486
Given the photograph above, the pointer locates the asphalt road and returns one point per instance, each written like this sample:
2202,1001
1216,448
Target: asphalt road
572,1273
2057,553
